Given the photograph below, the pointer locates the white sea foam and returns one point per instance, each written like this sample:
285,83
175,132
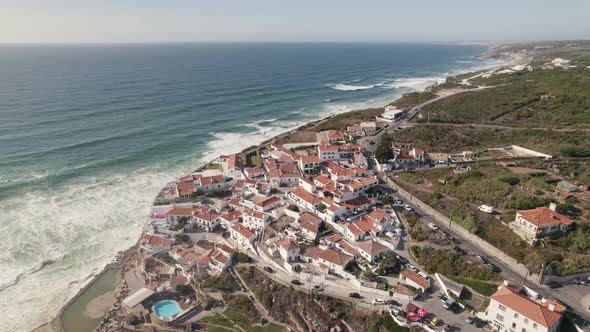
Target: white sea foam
59,239
349,87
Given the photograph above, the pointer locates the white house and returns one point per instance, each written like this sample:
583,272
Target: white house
371,250
308,164
207,221
371,125
175,214
334,261
415,280
155,243
305,199
288,249
207,183
511,311
243,236
254,219
539,222
268,204
230,218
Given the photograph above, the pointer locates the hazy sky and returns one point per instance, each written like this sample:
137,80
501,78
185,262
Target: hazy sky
73,21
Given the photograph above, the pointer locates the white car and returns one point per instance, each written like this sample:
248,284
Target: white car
378,301
433,226
409,208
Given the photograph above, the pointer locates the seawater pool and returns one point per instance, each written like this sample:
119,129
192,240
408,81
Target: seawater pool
167,309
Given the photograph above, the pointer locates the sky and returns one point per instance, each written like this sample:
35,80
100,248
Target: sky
152,21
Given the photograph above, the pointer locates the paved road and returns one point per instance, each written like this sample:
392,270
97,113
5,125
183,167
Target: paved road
572,295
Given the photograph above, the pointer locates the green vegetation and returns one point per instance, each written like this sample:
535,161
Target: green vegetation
411,177
481,286
224,282
252,158
453,138
540,98
383,152
343,120
409,100
449,262
219,193
388,266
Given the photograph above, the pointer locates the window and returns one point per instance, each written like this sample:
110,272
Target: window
500,317
513,325
501,307
526,321
515,315
535,325
523,330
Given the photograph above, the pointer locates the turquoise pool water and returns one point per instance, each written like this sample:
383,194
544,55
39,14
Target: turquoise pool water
167,309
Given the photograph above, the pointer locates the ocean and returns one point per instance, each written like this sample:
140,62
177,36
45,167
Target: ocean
89,133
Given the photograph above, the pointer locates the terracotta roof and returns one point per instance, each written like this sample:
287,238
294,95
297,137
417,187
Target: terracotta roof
543,216
155,240
310,217
287,244
336,257
178,280
243,230
372,247
269,201
404,290
379,214
306,196
255,214
309,159
415,277
180,211
209,216
232,215
509,297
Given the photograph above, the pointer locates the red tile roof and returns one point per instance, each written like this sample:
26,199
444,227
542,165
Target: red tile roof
543,216
509,297
415,277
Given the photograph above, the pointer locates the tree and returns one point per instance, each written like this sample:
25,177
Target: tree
386,200
383,151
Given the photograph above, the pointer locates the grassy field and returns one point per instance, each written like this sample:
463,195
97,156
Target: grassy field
483,287
454,138
497,186
343,120
541,98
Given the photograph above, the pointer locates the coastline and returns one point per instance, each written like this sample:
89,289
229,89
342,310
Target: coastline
122,258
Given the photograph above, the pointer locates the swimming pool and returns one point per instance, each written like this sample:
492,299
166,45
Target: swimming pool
167,309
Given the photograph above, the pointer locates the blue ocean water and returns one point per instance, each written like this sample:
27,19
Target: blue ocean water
88,134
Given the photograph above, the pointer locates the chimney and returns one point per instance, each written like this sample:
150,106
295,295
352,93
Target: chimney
552,206
552,307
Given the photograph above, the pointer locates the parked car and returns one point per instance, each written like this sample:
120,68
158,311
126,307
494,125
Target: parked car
296,282
470,319
392,302
317,288
433,226
460,250
448,303
478,322
449,328
434,321
378,301
456,308
354,295
401,260
394,311
553,285
268,269
482,259
409,208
